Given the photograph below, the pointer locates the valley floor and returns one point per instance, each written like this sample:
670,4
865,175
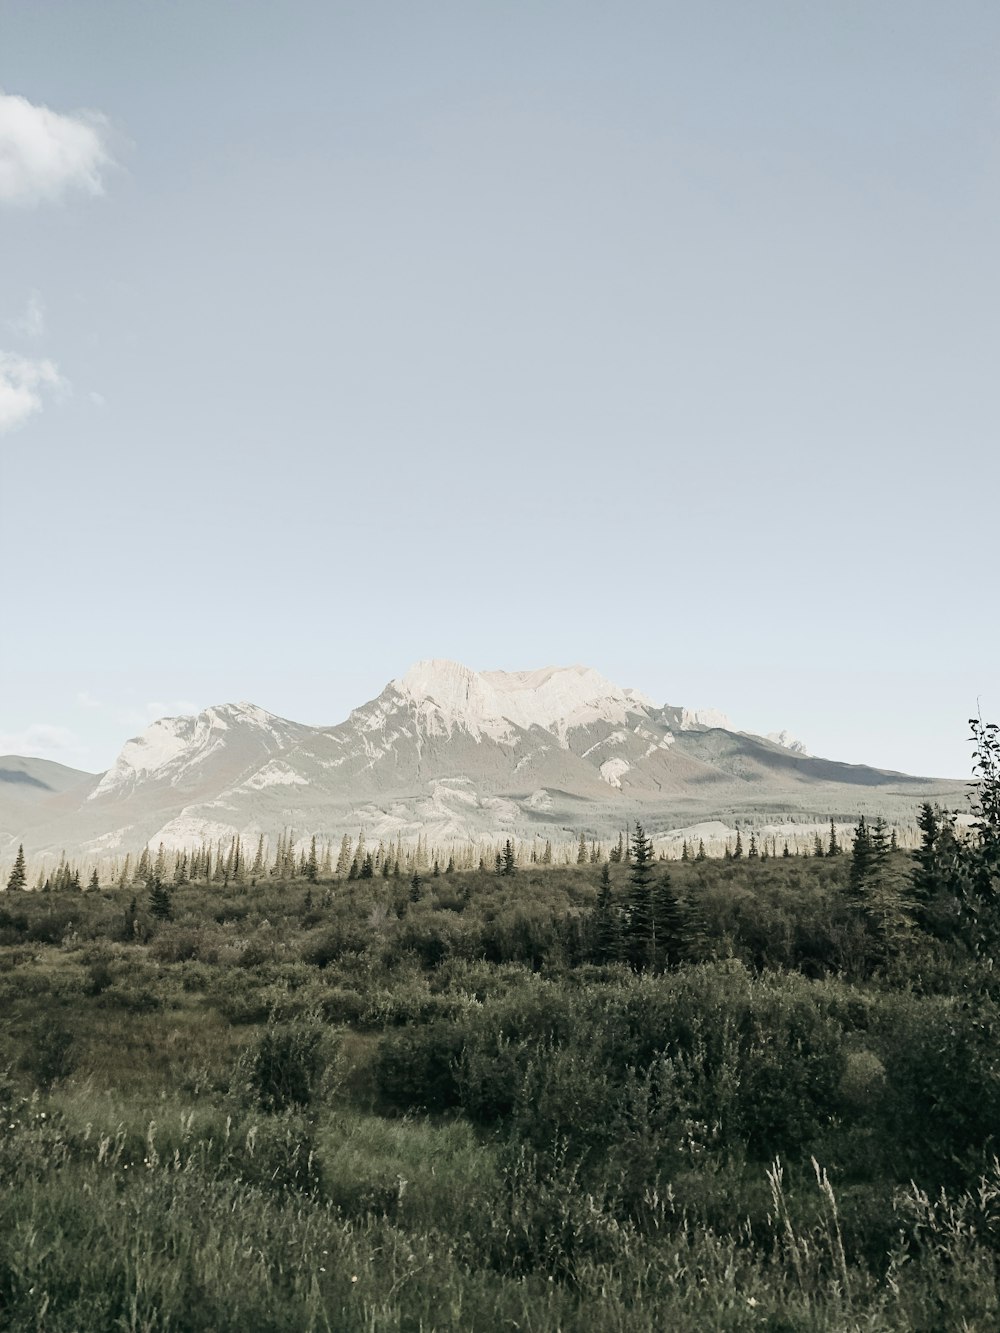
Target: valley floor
469,1104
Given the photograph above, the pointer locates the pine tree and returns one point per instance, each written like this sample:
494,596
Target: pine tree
415,887
834,848
19,875
312,865
641,932
702,854
509,860
753,851
604,923
343,857
861,862
159,899
785,852
94,882
581,851
668,925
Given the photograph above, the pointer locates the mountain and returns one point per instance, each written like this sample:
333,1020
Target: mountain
450,754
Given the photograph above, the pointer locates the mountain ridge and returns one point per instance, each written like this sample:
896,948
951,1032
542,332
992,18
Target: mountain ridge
454,754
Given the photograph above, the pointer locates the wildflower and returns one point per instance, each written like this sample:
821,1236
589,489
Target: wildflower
354,1277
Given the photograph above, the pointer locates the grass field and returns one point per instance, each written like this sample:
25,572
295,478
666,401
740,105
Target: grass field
358,1106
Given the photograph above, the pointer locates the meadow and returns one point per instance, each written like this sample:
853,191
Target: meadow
475,1103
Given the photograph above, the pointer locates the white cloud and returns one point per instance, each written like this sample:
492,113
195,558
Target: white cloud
23,382
32,323
98,399
44,154
141,715
41,741
86,700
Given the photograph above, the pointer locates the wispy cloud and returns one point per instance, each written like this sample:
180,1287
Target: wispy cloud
44,154
40,740
23,383
141,715
86,700
32,323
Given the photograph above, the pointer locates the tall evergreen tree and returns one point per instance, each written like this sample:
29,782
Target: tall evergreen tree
19,875
834,847
641,931
668,925
159,899
604,923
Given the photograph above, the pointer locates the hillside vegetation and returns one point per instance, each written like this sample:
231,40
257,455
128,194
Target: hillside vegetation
734,1095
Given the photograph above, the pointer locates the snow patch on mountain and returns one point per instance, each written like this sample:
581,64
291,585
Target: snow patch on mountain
704,719
446,695
613,770
276,773
787,741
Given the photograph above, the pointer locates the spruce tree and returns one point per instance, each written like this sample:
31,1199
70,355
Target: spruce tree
641,932
159,899
312,865
509,860
581,851
738,849
94,882
668,925
604,923
861,862
19,875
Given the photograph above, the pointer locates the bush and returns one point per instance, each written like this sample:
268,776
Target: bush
416,1069
284,1067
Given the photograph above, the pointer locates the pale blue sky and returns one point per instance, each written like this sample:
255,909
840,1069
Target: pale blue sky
660,337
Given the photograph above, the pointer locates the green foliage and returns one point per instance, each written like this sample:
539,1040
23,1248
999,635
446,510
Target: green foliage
513,1126
285,1064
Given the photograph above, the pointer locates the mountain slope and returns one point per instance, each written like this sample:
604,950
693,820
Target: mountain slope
452,753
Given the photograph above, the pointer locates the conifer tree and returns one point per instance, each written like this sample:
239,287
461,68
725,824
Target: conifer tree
416,884
753,851
94,882
343,857
312,864
581,851
509,860
668,925
159,899
738,849
19,875
702,854
604,922
641,932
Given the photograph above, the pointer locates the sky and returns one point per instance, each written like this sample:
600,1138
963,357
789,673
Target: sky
660,337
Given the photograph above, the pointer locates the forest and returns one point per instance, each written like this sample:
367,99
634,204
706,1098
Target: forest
758,1092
